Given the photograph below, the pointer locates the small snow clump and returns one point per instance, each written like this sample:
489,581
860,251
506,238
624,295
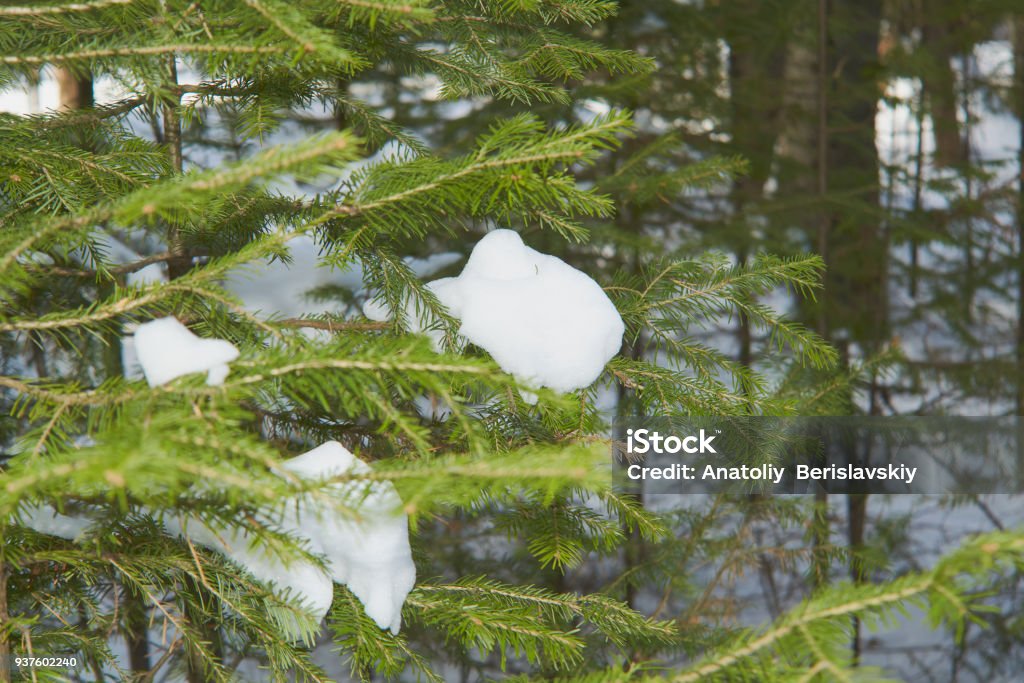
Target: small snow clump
166,350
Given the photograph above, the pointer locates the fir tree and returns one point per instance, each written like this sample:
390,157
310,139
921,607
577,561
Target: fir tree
93,444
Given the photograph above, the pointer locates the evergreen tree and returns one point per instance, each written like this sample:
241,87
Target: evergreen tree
530,478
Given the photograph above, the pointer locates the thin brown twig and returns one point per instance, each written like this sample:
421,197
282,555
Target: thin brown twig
164,658
102,53
122,269
59,9
332,325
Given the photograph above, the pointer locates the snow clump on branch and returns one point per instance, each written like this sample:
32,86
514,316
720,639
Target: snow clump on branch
543,321
368,552
166,349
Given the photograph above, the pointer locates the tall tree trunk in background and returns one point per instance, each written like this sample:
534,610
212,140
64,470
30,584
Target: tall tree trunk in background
855,288
821,527
970,284
917,207
832,90
340,117
821,147
181,262
757,54
634,549
856,283
76,91
938,38
628,218
1018,81
801,156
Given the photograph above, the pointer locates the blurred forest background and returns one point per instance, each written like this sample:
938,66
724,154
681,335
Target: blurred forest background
885,135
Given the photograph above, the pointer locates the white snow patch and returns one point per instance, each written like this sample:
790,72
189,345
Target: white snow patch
151,274
283,288
592,109
299,580
118,253
121,254
45,519
431,408
542,320
425,267
370,554
129,359
166,350
280,287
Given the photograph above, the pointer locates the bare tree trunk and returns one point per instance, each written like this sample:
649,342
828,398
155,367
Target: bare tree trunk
821,528
855,288
76,91
5,617
918,189
340,118
1018,73
821,147
856,509
180,263
970,276
136,633
856,292
832,93
938,40
802,156
756,66
634,550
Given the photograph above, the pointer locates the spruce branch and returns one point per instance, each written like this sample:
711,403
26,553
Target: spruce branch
61,9
140,51
943,586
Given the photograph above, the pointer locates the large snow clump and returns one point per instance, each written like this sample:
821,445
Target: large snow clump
369,553
542,320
